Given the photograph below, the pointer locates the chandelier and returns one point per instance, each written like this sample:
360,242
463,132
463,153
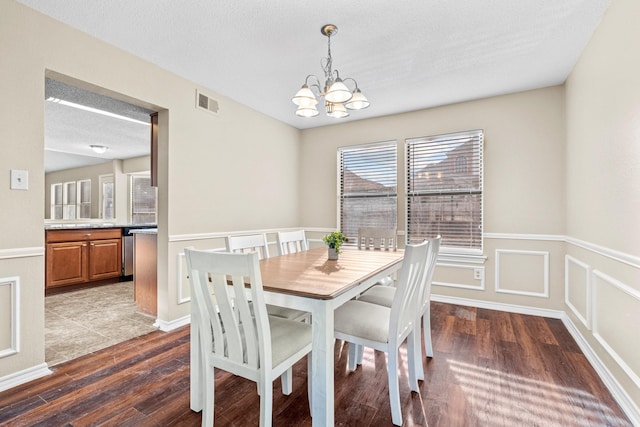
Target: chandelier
337,96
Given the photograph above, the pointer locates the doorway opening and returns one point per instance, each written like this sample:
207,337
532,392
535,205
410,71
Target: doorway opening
96,140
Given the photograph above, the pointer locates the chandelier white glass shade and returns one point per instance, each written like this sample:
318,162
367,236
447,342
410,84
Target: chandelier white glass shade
337,96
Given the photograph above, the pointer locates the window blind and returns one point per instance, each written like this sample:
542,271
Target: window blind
143,199
368,187
444,189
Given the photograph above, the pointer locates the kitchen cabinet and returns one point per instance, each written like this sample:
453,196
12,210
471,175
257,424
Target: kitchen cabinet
76,257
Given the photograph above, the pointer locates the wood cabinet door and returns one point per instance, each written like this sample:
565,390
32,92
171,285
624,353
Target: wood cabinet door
66,263
105,259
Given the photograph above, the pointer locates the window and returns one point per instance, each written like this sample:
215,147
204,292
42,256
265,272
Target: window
84,198
444,189
106,197
368,197
56,201
143,200
71,200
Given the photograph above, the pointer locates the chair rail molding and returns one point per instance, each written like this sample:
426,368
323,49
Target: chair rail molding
22,252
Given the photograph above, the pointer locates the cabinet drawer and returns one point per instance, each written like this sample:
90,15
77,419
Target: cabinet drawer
54,236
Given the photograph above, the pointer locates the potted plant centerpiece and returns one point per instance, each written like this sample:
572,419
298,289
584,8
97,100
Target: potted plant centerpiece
334,241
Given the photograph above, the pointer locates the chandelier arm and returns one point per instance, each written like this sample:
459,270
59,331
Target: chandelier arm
352,79
315,84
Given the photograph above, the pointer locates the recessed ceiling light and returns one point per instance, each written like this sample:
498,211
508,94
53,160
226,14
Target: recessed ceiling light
100,149
95,110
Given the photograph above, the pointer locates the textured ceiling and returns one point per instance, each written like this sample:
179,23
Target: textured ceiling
405,55
70,131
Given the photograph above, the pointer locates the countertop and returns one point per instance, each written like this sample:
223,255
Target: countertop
81,225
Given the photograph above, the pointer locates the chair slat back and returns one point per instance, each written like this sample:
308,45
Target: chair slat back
377,238
249,243
432,257
228,328
406,302
292,241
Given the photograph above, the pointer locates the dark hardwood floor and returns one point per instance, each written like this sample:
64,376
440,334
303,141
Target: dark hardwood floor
490,368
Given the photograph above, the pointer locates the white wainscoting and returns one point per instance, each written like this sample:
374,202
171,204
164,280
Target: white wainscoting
501,287
13,283
623,312
571,282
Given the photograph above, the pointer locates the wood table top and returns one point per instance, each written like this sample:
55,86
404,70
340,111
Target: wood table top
311,274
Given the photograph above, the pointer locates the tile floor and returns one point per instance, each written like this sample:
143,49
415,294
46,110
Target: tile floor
84,321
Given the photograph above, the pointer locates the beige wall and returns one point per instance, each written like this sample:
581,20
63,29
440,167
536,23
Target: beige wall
200,155
603,193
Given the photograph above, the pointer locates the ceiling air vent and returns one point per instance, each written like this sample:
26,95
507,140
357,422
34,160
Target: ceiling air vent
206,103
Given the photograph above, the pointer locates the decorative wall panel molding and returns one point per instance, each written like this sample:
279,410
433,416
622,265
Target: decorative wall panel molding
621,314
183,276
571,263
542,290
13,285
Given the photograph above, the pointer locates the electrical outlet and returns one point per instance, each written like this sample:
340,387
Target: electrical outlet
477,273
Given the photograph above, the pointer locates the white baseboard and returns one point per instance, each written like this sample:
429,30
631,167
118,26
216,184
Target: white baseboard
24,376
510,308
165,326
619,394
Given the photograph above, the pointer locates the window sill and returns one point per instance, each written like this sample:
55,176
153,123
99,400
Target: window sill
466,258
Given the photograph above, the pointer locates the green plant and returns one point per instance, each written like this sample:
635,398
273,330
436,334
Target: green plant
335,240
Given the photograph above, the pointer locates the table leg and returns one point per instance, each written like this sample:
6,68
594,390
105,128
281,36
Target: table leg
322,364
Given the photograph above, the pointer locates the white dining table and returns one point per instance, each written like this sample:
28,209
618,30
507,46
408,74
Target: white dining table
309,281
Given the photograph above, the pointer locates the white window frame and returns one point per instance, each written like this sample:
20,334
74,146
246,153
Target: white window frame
478,135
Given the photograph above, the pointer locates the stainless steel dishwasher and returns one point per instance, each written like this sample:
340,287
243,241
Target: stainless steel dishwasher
127,249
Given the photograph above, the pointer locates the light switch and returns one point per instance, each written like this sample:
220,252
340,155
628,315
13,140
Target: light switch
19,179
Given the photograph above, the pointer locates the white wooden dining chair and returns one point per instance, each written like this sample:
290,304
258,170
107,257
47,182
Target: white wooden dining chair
236,333
380,238
249,243
258,243
292,242
382,328
384,295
